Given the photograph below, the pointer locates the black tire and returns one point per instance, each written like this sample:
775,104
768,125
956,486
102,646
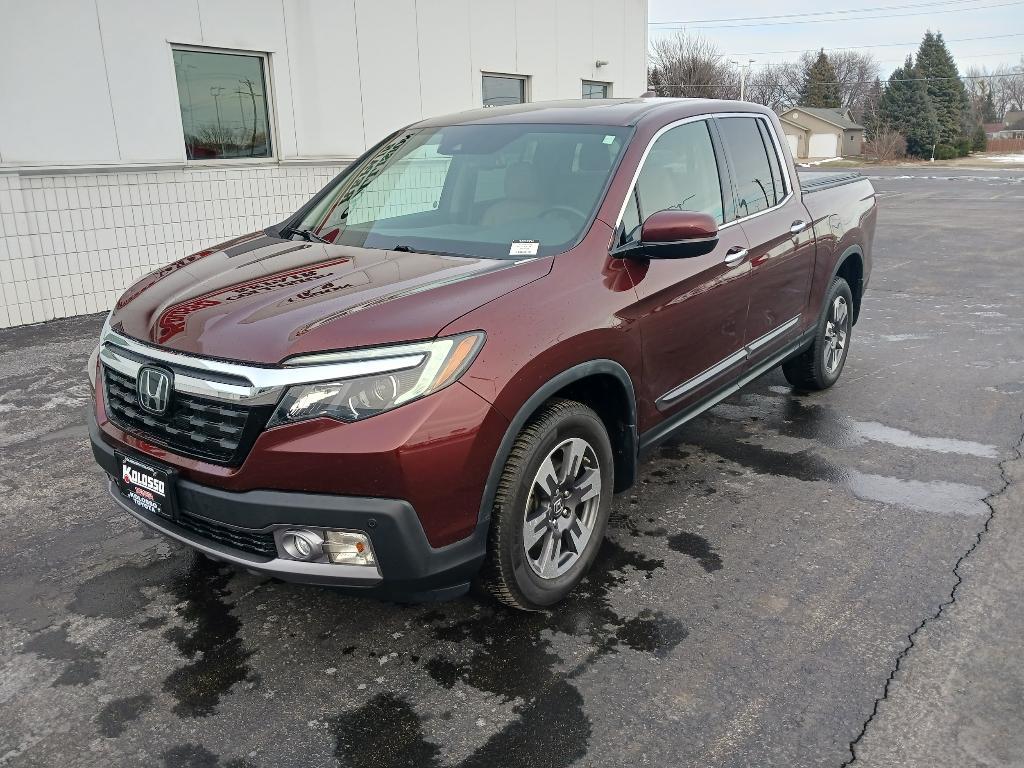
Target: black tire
811,370
508,573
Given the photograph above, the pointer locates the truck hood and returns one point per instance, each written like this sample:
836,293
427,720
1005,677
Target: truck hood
261,299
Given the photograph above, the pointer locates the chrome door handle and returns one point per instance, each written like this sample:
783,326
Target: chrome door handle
797,227
735,258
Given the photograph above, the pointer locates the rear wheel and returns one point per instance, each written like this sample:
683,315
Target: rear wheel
551,508
820,365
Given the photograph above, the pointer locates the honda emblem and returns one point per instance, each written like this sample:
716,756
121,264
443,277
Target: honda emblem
153,389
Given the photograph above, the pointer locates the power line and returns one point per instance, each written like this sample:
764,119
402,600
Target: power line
815,13
873,45
838,82
975,56
699,25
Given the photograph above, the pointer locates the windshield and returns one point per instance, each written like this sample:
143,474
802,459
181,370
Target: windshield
500,191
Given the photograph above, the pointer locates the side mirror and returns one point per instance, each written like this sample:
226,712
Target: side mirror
673,234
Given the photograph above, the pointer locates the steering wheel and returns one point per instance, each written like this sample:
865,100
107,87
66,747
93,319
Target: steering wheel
565,209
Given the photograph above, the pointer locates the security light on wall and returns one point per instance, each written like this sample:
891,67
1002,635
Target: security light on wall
600,63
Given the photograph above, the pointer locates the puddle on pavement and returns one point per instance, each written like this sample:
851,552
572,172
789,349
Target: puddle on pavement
741,432
209,639
82,663
932,496
116,714
513,660
901,438
696,547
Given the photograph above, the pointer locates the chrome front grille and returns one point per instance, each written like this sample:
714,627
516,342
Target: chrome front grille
211,430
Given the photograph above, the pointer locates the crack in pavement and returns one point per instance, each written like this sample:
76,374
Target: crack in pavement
1018,450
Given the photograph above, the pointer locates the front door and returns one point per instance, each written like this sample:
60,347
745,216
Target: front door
692,311
778,229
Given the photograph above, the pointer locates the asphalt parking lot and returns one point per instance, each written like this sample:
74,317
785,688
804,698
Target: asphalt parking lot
796,580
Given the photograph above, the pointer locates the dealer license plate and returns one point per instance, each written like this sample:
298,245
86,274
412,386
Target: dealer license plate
147,487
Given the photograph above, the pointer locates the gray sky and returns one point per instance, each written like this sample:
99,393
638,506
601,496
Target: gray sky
894,21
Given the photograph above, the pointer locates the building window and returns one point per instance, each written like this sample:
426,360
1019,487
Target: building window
223,101
592,89
499,90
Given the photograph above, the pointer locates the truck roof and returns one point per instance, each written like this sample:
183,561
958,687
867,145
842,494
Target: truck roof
612,112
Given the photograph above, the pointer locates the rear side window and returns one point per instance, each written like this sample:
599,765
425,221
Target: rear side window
757,187
680,174
773,161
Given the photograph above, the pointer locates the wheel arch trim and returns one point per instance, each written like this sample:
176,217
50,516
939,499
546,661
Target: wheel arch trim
538,398
857,290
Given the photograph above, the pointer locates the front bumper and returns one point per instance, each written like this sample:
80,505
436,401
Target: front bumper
408,568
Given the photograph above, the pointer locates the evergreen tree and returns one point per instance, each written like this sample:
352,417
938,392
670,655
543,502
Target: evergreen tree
821,88
988,108
946,90
906,108
656,82
980,139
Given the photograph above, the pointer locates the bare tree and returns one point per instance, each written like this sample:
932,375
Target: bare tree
886,145
690,66
776,85
779,85
1004,82
856,72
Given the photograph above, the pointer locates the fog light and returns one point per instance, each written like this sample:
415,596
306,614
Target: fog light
344,547
302,545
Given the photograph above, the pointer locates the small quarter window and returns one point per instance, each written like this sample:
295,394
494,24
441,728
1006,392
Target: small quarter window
223,102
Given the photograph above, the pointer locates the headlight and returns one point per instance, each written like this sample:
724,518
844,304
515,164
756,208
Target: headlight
419,369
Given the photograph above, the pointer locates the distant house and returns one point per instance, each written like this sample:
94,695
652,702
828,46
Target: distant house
1011,127
815,132
992,130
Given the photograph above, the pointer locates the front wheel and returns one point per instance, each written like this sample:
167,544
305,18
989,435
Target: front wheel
819,366
551,508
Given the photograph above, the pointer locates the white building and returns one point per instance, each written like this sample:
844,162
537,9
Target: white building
133,133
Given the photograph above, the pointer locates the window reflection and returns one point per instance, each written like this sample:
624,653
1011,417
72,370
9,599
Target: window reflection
499,90
223,101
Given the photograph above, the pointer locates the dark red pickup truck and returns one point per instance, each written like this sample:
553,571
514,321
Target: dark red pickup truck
445,364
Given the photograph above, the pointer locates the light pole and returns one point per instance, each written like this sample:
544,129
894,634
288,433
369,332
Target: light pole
744,68
215,91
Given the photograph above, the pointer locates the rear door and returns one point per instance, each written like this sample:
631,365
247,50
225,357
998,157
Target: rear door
692,311
776,224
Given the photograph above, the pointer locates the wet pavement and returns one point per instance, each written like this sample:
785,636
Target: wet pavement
796,580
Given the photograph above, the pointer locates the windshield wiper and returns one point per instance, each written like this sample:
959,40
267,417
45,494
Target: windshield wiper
305,234
404,249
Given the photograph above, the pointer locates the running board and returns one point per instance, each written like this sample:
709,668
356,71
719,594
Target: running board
656,434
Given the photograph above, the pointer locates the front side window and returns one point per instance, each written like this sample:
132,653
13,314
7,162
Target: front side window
756,186
593,89
680,174
473,190
499,90
223,101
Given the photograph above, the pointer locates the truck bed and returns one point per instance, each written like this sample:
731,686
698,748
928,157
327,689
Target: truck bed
816,181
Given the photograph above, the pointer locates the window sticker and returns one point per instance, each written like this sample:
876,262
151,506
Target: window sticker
609,139
524,248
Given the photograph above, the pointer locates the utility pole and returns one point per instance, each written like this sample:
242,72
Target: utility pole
744,68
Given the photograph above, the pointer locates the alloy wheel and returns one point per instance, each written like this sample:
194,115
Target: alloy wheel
562,508
837,333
